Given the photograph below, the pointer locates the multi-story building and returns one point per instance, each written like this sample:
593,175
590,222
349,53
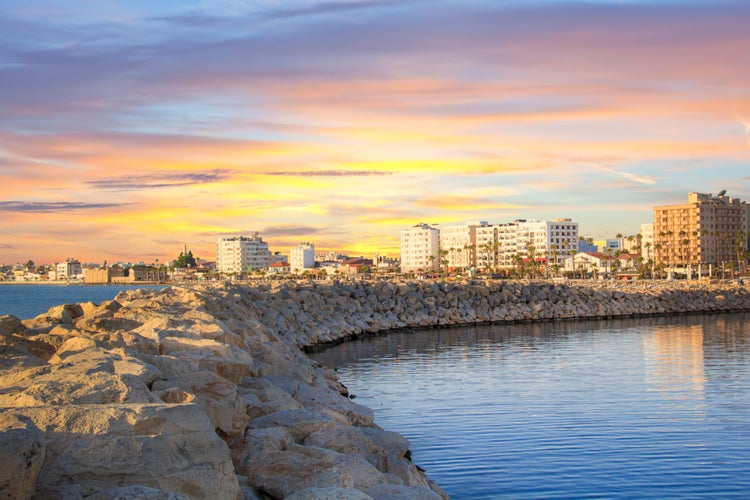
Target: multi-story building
241,254
496,245
647,242
420,248
68,269
302,257
706,230
551,240
459,244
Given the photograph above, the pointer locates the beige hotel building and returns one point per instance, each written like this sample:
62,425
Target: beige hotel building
706,230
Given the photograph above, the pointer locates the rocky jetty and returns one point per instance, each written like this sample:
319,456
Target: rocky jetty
205,392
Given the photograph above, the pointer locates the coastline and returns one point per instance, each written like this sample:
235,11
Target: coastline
218,372
82,283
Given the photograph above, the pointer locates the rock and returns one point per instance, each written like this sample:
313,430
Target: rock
172,448
328,494
301,467
300,423
226,360
93,376
10,325
217,396
22,452
134,492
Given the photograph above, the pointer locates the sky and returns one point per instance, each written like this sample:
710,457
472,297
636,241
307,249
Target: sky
129,129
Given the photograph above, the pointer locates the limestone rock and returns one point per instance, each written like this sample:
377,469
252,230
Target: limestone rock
217,396
300,423
301,467
92,376
172,448
10,325
328,494
22,452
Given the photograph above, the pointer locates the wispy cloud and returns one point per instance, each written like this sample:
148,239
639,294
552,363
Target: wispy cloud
637,178
300,231
53,206
329,173
156,181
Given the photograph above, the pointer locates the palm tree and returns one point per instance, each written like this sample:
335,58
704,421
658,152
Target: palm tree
555,247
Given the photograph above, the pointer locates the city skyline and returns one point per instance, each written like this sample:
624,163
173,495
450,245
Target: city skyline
130,129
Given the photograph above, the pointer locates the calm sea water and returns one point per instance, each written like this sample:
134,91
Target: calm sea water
649,408
27,301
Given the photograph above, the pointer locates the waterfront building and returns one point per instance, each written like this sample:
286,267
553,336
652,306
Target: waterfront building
279,268
240,254
459,244
586,245
71,268
707,229
647,242
355,266
613,245
487,239
302,257
420,248
551,241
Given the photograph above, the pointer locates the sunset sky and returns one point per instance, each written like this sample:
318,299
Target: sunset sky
131,128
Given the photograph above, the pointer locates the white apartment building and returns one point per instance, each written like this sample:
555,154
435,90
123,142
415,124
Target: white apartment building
302,257
552,240
68,269
420,248
459,244
647,242
238,254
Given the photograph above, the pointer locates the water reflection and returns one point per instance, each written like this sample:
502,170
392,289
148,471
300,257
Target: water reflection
674,361
627,408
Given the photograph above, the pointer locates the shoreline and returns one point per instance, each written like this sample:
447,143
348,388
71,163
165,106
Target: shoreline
218,374
81,283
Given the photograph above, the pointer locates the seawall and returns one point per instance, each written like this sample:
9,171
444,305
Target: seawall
204,391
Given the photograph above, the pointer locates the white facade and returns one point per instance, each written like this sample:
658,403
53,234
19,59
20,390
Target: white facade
420,248
238,254
302,257
552,240
647,242
459,244
68,269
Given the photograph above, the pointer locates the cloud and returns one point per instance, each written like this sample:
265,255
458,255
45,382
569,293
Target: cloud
639,179
300,231
167,180
329,173
330,7
53,206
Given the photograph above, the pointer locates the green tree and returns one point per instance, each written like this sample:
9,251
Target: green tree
185,260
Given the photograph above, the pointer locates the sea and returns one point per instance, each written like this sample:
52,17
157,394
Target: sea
617,409
27,301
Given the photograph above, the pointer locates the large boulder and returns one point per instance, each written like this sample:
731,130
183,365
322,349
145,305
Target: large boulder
10,325
217,396
171,448
301,467
21,455
85,376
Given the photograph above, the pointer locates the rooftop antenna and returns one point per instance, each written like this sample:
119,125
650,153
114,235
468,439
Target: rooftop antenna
722,192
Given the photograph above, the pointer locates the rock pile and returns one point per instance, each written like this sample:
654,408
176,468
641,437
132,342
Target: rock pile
205,392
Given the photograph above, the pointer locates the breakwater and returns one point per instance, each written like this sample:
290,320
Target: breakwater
206,392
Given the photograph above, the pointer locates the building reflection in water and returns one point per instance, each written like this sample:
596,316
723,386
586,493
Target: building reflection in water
674,361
